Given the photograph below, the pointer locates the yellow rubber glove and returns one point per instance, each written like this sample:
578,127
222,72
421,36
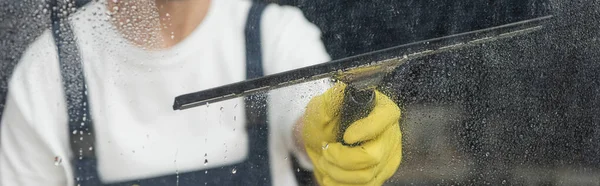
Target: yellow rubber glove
373,161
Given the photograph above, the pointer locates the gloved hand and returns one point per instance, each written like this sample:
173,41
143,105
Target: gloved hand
372,162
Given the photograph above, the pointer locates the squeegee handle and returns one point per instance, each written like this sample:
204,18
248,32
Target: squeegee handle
357,104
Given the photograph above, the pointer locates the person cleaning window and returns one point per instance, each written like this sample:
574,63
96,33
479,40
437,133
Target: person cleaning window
130,58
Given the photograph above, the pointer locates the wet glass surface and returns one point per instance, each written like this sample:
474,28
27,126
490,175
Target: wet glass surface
517,111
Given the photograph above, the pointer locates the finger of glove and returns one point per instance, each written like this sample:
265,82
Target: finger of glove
321,117
328,181
324,108
331,100
367,155
340,175
318,111
383,170
314,155
384,114
345,177
317,130
390,167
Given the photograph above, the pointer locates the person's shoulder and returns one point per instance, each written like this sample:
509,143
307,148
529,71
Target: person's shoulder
281,18
36,69
37,59
39,64
289,40
283,12
275,17
282,23
40,59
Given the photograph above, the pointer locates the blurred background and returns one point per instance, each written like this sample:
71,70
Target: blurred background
523,111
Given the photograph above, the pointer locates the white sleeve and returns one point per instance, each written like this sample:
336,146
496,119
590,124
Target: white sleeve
27,151
290,42
25,158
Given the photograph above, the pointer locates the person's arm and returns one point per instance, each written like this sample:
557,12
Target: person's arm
29,152
308,114
25,157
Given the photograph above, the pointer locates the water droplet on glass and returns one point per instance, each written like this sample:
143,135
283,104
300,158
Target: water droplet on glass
205,161
177,173
221,108
233,171
91,148
205,172
326,146
57,161
74,131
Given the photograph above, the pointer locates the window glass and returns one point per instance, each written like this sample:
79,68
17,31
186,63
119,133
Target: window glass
239,92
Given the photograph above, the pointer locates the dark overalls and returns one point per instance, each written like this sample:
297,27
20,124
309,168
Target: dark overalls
255,170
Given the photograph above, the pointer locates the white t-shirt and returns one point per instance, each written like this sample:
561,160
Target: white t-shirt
131,92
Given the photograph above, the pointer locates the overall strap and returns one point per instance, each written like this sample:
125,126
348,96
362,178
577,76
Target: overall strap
257,166
80,122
